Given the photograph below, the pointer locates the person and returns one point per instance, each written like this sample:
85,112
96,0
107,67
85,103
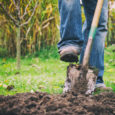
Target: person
74,38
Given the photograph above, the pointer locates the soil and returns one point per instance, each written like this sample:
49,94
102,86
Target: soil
64,104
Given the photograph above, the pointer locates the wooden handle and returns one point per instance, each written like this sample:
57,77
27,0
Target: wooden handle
97,13
87,53
92,33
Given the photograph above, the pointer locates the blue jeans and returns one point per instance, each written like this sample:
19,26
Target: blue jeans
72,33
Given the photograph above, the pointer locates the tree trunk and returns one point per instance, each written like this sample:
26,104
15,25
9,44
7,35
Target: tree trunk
18,48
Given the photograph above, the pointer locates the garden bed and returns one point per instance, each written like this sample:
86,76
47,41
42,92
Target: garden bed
46,104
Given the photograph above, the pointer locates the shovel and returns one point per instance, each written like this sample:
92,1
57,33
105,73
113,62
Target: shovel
82,77
95,22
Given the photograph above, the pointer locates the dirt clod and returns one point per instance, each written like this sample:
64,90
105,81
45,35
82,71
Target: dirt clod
64,104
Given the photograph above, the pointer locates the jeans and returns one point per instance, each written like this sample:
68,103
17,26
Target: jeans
72,32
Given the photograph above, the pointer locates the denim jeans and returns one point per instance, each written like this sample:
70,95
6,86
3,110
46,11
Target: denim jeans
72,33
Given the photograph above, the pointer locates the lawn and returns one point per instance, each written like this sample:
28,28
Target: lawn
44,72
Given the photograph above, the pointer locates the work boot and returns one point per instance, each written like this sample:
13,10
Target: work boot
69,53
102,87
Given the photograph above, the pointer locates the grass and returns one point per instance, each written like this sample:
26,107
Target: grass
109,75
44,72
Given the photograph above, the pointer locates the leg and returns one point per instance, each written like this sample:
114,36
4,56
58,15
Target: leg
71,24
97,53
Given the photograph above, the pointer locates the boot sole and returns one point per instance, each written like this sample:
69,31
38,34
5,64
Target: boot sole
69,57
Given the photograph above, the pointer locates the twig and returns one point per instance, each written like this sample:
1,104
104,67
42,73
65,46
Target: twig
18,8
25,11
45,26
30,16
46,21
15,4
9,15
28,30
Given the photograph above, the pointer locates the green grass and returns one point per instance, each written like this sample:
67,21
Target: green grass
109,75
44,73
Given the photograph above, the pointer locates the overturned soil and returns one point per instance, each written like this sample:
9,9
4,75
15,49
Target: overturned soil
70,103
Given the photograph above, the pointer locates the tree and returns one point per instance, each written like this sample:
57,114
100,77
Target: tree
19,20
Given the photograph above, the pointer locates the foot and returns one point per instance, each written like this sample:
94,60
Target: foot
69,54
102,87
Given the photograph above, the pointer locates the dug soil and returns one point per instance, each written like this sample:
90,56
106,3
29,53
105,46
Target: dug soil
64,104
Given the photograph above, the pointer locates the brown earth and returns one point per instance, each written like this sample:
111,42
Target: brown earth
46,104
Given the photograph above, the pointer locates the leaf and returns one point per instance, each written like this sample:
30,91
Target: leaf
10,87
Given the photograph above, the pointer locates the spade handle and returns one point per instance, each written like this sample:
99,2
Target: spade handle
92,33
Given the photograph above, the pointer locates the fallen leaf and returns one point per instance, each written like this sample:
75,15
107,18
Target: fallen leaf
10,87
17,73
